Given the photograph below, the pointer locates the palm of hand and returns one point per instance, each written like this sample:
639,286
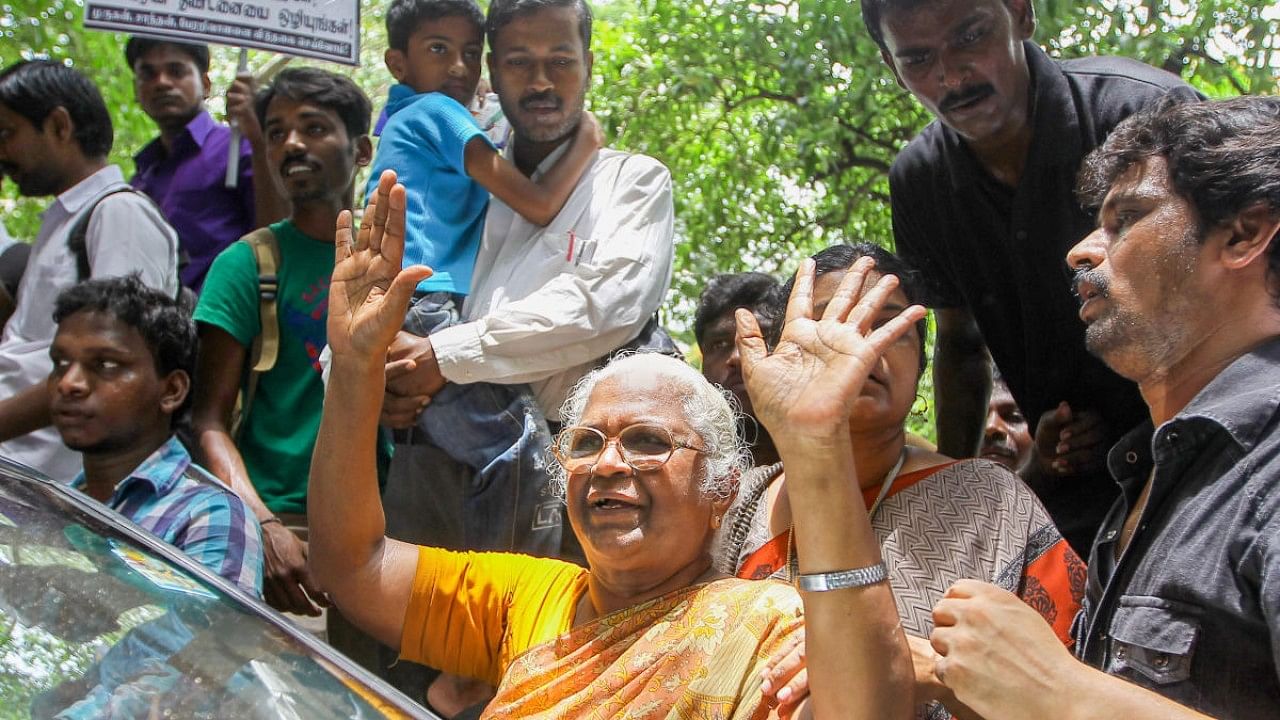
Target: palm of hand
369,292
357,295
813,375
812,378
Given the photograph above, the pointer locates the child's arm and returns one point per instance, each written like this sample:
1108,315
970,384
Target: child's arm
538,202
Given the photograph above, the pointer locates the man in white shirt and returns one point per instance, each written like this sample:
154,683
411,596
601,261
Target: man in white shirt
547,303
55,134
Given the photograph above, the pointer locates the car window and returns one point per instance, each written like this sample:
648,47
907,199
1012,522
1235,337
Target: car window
93,624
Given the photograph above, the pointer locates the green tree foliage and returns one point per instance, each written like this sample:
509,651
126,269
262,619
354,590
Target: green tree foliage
54,29
779,120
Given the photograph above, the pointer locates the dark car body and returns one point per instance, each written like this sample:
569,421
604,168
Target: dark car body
100,619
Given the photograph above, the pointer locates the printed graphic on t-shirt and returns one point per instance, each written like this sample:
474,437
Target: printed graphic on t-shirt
304,318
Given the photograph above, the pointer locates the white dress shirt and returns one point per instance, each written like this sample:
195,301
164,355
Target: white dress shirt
546,303
127,234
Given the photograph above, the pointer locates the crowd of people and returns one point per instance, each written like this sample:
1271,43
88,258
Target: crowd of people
453,439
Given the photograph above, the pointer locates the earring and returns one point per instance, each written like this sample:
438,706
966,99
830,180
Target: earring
715,522
920,408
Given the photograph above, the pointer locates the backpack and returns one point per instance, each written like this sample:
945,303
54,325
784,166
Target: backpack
77,243
266,346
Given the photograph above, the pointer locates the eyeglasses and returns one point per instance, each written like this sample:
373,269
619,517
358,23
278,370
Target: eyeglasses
643,447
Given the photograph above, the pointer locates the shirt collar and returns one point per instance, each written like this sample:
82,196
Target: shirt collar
400,92
198,130
1241,400
200,127
160,471
82,192
547,162
396,97
1054,121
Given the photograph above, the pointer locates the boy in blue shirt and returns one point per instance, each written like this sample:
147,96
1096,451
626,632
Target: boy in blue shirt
449,167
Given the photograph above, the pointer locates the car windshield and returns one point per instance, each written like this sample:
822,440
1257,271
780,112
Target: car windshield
93,624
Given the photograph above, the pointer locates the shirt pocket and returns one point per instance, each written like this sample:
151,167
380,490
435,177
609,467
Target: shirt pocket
555,251
1154,638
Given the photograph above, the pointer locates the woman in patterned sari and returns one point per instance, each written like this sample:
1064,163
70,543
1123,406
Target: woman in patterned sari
649,460
937,519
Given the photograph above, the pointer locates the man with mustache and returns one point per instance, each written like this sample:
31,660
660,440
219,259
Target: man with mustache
184,169
1180,292
1006,438
315,126
982,205
546,303
55,135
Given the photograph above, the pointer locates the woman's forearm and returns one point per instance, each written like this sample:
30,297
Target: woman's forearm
858,660
344,510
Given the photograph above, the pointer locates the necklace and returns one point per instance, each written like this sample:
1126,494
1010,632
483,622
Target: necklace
888,481
793,562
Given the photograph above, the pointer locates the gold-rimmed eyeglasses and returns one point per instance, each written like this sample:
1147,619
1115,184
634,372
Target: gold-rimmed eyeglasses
643,447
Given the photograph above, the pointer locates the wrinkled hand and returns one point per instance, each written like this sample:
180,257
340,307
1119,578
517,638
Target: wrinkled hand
998,655
240,110
1071,443
370,293
286,581
786,678
808,384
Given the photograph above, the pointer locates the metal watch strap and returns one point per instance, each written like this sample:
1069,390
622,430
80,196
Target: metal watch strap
841,579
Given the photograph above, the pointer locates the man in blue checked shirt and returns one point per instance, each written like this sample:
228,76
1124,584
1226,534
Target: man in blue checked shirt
123,359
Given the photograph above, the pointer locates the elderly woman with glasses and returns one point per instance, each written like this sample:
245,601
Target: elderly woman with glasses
649,464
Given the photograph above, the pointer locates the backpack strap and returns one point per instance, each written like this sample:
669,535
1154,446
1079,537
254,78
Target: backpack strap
76,241
266,252
78,244
266,346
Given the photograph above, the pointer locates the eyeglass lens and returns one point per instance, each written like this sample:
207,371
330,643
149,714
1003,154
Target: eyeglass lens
642,446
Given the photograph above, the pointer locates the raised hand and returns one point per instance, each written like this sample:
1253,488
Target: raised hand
240,108
808,384
370,293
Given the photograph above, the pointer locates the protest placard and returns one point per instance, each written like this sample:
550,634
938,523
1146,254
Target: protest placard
322,29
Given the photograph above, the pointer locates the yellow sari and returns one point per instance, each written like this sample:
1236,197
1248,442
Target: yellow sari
508,619
694,653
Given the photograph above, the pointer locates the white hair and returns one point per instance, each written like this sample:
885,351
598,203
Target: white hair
710,411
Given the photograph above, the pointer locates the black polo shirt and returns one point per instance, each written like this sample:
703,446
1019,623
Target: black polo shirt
1001,251
1192,608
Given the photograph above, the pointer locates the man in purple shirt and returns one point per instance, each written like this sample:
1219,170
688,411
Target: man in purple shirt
184,170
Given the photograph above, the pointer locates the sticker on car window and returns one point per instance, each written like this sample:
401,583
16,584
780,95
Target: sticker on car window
160,575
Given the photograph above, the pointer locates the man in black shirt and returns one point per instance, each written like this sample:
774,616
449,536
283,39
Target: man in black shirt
982,205
1180,291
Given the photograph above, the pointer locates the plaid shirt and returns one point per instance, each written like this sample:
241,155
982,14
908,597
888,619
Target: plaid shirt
182,504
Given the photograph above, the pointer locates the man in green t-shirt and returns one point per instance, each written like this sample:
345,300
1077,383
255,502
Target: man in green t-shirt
316,128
